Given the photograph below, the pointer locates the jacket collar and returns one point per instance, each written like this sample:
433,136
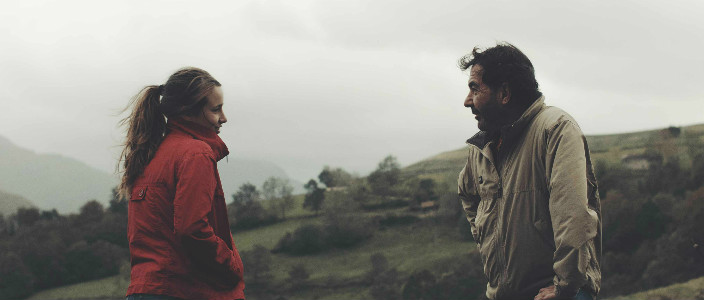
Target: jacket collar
201,133
510,131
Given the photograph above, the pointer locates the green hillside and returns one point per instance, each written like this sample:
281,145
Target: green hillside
693,289
611,148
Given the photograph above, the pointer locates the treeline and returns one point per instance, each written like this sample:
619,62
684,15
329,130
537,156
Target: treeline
43,249
653,222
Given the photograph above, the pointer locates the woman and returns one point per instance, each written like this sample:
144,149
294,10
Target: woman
179,235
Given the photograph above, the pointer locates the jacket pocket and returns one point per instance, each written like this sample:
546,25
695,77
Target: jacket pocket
482,220
134,208
545,231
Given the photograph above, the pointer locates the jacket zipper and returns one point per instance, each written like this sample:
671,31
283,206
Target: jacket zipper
498,234
499,225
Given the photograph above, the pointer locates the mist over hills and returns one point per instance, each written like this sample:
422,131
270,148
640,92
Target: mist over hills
9,203
50,181
237,171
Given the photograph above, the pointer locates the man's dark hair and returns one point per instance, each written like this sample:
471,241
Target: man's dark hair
505,63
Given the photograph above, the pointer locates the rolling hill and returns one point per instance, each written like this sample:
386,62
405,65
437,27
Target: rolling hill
9,203
445,167
51,181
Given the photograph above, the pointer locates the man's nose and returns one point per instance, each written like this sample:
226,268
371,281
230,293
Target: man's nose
468,101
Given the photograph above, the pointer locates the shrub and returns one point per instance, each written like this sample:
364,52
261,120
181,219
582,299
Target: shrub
16,280
307,239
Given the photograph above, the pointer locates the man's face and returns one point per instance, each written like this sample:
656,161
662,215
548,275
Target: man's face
484,102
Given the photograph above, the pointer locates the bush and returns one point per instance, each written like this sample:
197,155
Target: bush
307,239
347,230
86,261
16,280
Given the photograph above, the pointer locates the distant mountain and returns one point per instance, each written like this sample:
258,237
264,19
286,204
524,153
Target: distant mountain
673,141
51,180
9,203
54,181
235,172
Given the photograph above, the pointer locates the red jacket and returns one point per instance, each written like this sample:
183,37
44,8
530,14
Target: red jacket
179,235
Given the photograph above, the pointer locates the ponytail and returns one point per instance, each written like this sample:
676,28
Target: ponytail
183,94
146,126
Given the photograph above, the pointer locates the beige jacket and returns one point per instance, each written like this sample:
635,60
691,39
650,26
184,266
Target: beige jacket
534,210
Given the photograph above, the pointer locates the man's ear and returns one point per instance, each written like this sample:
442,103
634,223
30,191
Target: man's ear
504,94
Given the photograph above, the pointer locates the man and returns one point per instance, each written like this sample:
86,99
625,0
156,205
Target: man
528,187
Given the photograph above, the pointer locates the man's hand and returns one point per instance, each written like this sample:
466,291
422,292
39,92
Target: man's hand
546,293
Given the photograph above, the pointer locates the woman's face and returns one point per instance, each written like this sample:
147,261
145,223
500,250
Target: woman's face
212,115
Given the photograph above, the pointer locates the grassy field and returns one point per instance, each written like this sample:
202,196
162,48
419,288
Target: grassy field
408,248
107,288
693,289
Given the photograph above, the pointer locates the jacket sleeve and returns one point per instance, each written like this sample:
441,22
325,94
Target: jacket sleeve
468,199
573,223
193,202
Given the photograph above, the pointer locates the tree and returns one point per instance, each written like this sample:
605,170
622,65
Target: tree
385,177
91,212
344,225
27,216
246,210
314,196
425,191
334,177
118,203
279,193
246,194
49,214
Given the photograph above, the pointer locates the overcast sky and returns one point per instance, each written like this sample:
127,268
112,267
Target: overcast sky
342,83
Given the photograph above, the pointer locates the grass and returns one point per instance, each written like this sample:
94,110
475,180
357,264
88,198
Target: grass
686,290
422,245
268,236
407,248
107,288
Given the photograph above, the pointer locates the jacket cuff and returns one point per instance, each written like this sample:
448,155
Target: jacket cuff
564,292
